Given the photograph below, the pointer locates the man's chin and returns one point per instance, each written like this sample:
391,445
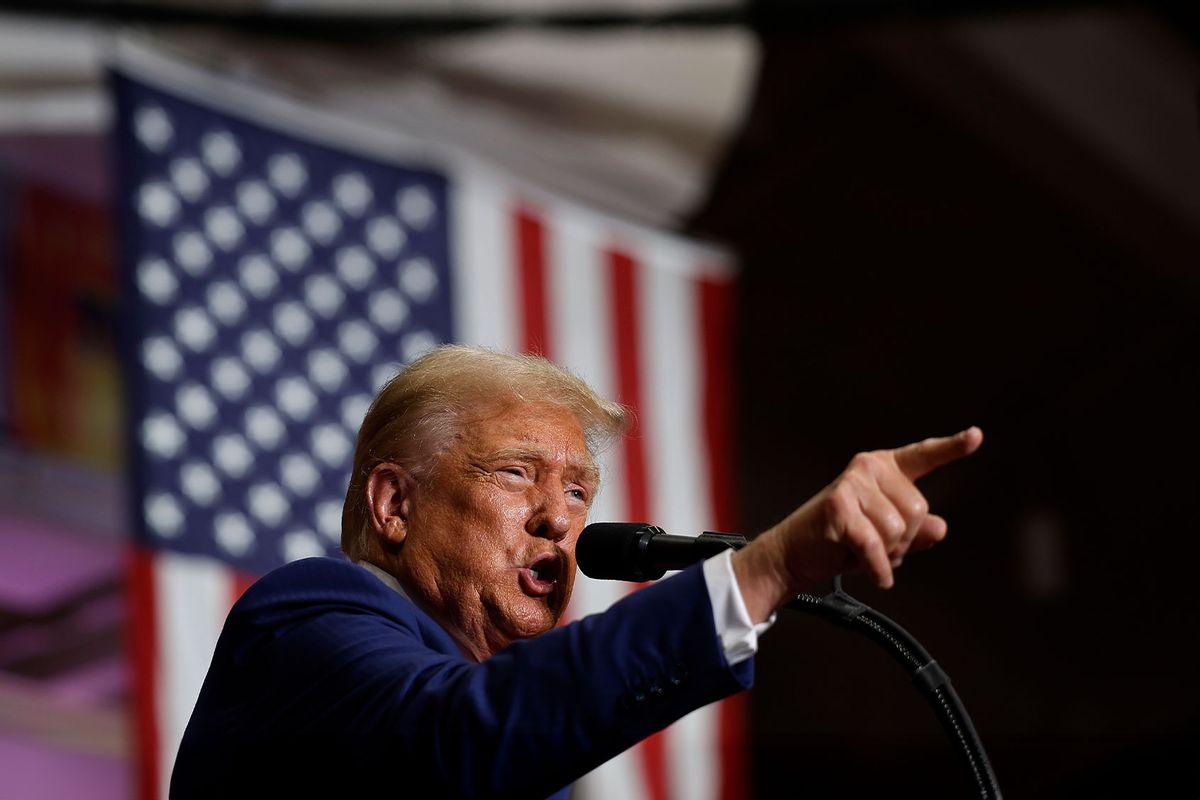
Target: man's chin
535,617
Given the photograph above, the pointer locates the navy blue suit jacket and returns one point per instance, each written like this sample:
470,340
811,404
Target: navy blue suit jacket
327,683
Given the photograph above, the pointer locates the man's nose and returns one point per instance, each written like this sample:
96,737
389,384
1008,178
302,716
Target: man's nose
552,520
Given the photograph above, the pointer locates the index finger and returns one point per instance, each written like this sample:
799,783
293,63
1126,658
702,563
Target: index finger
923,457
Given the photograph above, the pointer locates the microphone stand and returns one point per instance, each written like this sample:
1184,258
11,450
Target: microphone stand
933,682
623,552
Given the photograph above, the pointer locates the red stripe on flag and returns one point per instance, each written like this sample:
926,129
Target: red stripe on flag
622,273
716,334
626,334
143,647
530,237
239,582
731,748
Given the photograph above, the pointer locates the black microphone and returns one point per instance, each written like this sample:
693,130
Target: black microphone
639,551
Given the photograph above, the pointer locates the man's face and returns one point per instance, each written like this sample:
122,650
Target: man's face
490,543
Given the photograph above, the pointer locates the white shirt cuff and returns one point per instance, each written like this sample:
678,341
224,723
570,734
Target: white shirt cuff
738,633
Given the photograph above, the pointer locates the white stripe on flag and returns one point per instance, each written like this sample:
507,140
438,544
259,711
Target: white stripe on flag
622,777
693,755
482,258
192,595
580,312
673,399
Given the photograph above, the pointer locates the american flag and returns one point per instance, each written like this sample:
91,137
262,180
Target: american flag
280,266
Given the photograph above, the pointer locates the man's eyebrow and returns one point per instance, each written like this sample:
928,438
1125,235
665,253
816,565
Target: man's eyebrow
515,454
591,473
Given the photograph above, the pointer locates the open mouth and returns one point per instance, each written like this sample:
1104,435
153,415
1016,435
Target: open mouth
541,577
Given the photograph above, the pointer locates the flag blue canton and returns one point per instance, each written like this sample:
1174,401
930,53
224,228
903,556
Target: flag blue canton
272,286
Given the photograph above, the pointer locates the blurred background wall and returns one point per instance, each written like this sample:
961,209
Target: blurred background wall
983,220
941,219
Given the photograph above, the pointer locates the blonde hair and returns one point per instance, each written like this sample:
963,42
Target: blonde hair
416,415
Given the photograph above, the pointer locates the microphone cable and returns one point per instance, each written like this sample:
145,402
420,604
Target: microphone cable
841,609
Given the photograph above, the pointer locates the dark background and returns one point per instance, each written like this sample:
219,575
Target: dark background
913,265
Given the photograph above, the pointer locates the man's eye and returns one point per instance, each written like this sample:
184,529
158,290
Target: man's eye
578,494
518,472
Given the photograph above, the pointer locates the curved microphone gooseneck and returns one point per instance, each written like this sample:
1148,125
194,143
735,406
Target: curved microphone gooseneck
640,552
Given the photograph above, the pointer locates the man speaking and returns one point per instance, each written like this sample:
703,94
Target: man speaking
430,664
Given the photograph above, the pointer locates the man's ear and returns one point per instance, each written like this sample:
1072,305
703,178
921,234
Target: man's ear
389,499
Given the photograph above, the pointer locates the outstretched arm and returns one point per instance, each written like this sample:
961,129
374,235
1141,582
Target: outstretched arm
867,519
